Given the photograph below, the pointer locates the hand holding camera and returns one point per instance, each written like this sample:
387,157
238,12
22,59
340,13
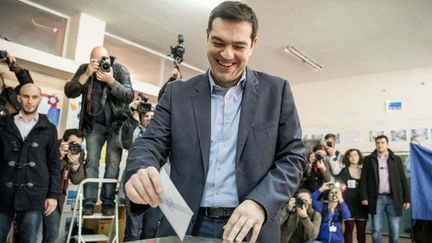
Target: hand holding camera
92,67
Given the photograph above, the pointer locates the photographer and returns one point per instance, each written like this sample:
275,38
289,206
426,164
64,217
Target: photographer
137,123
334,156
142,225
316,172
106,91
299,221
71,159
175,75
333,212
8,96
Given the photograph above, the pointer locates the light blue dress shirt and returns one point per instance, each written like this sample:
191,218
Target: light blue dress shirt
220,187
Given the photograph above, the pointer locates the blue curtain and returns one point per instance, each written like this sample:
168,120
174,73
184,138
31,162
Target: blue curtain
421,182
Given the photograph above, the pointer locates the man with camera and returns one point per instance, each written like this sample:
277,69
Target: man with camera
334,156
106,92
9,103
29,167
71,161
138,121
299,221
143,225
316,172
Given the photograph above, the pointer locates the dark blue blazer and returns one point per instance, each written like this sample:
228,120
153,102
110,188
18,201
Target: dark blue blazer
270,154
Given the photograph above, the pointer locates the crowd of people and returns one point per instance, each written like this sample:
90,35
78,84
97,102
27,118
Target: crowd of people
343,189
236,158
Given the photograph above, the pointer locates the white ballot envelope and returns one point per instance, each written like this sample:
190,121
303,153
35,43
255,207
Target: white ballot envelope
174,207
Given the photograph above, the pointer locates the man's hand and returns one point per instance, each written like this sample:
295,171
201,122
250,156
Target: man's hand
106,77
330,151
365,202
248,215
73,159
321,165
64,149
92,67
50,206
407,205
291,204
144,187
10,59
302,212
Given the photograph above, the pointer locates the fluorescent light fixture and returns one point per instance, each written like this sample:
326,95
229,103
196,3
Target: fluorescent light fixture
297,53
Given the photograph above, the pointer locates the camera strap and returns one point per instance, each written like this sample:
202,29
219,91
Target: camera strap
89,98
65,179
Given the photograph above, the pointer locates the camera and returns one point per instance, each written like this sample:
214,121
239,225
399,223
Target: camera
105,64
3,54
143,106
318,157
178,50
75,148
299,203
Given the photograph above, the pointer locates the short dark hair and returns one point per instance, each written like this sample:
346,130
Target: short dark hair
236,12
345,159
318,147
381,137
330,135
303,190
73,131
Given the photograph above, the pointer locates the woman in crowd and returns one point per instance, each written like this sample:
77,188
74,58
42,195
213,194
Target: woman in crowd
333,212
350,178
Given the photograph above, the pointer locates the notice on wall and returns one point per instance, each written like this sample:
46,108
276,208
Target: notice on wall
393,106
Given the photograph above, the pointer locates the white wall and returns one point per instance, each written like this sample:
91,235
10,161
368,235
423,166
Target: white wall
353,106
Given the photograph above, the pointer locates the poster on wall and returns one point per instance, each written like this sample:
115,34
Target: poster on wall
48,106
393,106
420,134
375,133
399,135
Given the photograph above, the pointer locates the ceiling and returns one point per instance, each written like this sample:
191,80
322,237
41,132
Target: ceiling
347,37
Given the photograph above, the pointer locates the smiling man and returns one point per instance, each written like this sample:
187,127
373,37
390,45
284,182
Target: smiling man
233,138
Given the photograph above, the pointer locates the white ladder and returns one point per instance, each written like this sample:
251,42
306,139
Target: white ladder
77,213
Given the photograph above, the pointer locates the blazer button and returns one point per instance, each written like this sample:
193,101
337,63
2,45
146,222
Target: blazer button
11,163
32,164
29,184
9,184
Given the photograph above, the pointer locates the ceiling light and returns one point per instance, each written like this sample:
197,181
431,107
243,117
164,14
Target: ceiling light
297,53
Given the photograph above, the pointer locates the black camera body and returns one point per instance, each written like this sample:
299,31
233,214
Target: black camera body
299,203
144,107
178,51
75,148
318,156
3,54
105,64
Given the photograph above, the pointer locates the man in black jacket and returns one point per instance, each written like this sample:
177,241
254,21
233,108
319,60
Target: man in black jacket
29,167
106,91
384,189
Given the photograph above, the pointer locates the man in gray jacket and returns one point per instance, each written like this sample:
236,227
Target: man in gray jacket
106,91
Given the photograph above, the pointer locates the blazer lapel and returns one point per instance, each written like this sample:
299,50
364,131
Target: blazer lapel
202,111
248,110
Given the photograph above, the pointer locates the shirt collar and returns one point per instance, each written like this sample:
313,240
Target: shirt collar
213,85
19,116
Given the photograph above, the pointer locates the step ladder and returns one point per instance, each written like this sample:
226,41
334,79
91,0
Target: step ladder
77,215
